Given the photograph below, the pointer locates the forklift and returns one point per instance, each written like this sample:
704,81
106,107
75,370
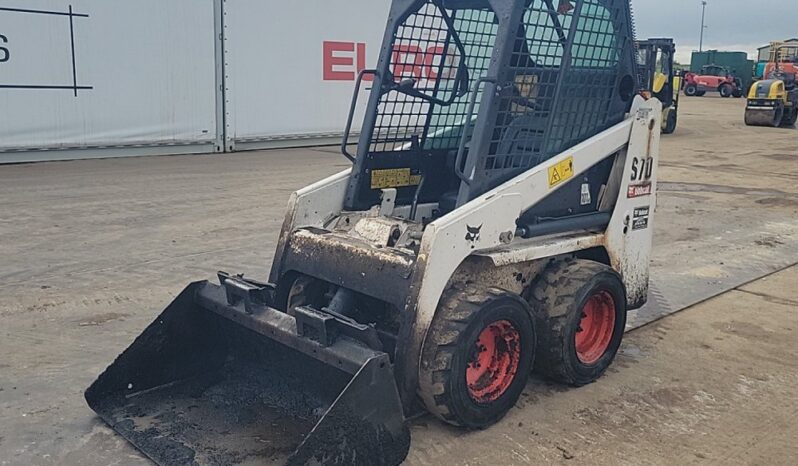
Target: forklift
496,220
659,79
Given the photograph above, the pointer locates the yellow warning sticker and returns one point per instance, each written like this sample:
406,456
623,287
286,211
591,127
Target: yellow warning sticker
561,172
393,178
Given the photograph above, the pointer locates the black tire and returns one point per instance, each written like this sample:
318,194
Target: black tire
307,291
788,121
725,90
691,90
737,93
671,122
451,345
778,118
700,93
561,293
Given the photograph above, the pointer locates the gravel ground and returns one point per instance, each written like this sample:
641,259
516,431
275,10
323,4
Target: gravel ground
91,251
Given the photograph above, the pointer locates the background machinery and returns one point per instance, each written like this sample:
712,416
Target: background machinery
659,79
774,101
497,218
783,57
713,78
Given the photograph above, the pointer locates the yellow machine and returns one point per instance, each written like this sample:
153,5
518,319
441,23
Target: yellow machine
659,79
773,101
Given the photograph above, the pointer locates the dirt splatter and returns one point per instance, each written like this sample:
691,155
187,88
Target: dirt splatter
100,319
778,202
770,242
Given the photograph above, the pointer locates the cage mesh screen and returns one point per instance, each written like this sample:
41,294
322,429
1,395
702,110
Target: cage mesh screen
425,52
556,100
589,84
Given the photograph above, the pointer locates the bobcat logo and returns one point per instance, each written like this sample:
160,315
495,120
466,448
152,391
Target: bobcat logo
472,233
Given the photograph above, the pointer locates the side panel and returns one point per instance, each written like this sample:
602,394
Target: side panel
450,239
629,235
311,206
113,73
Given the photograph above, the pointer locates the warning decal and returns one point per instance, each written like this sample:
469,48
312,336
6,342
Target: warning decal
561,172
393,178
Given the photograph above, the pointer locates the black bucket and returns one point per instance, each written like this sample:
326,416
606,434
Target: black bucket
210,382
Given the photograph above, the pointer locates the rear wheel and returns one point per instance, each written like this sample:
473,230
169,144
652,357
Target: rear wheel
726,90
789,119
583,306
778,116
477,356
690,90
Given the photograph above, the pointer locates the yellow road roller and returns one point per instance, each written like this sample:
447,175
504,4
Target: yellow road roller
773,101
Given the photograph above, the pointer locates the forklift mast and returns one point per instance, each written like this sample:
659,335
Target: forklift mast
655,59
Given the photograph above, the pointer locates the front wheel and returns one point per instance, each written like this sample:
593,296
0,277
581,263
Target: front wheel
670,122
725,90
477,356
691,90
583,306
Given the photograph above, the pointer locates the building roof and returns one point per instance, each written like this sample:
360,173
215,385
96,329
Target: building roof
794,39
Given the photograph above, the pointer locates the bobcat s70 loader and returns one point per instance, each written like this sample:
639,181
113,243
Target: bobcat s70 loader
497,219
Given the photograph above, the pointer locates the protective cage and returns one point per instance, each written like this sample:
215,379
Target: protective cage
469,93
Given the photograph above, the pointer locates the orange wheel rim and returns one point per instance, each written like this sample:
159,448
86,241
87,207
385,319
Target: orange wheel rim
595,328
494,361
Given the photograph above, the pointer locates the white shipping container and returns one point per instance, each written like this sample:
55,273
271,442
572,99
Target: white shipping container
94,73
179,76
291,66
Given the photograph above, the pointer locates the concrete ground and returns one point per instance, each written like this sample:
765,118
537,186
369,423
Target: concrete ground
91,251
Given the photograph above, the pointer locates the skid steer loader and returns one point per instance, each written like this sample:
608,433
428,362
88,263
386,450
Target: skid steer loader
497,219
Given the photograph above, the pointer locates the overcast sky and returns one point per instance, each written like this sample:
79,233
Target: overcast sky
740,25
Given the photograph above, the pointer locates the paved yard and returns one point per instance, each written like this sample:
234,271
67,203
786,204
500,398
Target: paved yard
91,251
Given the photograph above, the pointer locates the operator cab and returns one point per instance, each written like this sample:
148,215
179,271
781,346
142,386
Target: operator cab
441,131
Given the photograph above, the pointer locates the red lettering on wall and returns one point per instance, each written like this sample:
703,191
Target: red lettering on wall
404,66
361,61
342,61
333,60
430,67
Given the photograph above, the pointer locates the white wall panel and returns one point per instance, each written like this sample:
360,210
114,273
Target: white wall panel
281,81
144,71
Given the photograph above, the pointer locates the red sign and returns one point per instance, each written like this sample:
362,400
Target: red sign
342,61
639,190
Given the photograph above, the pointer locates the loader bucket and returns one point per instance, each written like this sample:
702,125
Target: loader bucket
223,379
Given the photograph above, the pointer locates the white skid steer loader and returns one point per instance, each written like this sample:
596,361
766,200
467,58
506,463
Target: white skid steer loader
497,220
